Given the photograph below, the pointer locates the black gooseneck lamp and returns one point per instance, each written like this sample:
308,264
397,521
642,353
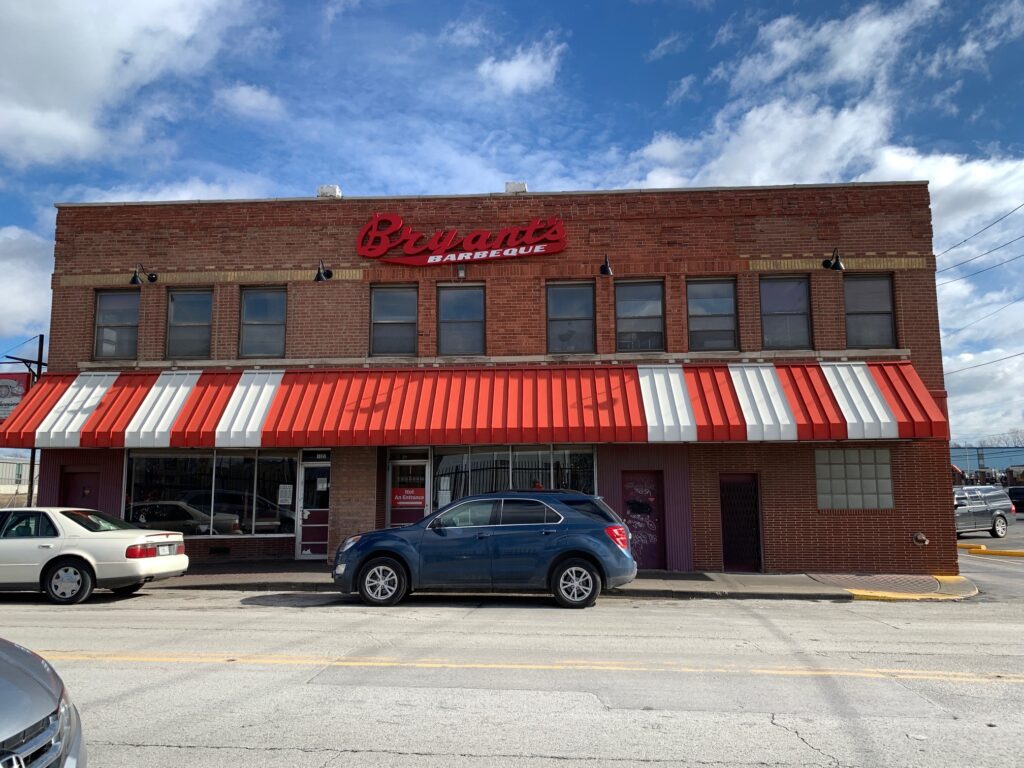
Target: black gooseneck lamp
136,280
606,268
323,273
834,263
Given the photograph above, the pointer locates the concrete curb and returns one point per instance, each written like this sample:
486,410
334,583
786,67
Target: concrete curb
968,545
951,589
996,552
655,594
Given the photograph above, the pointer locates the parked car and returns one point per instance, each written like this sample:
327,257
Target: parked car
270,517
39,726
181,517
983,508
567,543
67,553
1016,494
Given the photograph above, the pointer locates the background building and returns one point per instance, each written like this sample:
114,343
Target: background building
741,406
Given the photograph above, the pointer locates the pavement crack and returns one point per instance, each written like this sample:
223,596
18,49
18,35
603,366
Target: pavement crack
833,760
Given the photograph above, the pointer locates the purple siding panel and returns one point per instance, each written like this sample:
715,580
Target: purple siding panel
612,460
108,463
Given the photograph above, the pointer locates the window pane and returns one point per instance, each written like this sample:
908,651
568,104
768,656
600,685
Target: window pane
711,298
570,301
869,331
522,512
489,470
641,335
394,304
263,306
275,492
786,332
868,294
711,340
451,476
574,469
638,300
570,336
461,339
121,308
531,469
117,342
394,339
262,341
167,485
189,307
233,492
460,303
188,341
789,295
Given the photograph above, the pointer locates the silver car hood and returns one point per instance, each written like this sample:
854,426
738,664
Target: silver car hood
29,689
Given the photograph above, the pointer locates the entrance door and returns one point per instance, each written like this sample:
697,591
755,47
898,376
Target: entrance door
311,535
644,512
407,497
80,489
741,523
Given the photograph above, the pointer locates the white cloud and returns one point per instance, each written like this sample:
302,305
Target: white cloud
466,34
1000,23
26,261
944,99
528,70
683,89
725,34
335,8
65,65
667,46
239,187
251,101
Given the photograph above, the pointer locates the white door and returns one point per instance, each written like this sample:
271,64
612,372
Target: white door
314,512
27,541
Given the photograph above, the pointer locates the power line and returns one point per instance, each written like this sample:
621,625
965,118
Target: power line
975,258
17,346
980,231
979,365
983,317
986,269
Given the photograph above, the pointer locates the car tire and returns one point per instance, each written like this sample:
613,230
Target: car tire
125,591
575,584
998,530
68,582
383,582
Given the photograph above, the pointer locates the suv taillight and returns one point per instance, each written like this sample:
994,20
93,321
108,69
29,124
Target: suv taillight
619,535
1013,508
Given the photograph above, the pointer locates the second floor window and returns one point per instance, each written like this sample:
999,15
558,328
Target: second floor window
711,306
117,325
188,324
393,321
869,321
785,313
640,317
570,318
460,320
263,318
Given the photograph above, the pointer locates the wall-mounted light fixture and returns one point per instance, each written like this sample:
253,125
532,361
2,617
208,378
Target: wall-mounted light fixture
460,271
606,268
834,262
323,273
136,280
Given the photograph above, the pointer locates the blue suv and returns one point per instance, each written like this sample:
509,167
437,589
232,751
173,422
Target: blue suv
565,542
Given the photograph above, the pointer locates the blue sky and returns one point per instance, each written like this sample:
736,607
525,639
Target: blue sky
187,99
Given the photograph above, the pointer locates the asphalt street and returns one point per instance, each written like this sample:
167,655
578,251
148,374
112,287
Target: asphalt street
217,678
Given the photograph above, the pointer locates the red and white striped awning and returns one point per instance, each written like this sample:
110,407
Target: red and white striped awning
477,406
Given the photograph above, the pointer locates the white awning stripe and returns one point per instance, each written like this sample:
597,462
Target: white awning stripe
763,402
667,406
241,426
868,416
62,427
151,426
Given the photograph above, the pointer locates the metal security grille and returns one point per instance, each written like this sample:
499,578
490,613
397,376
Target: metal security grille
741,528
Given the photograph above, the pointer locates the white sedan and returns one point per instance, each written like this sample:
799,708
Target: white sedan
67,552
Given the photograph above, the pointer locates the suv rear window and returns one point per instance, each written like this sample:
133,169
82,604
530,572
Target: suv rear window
996,497
595,508
526,512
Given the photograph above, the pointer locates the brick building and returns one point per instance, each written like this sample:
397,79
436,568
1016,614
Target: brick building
741,406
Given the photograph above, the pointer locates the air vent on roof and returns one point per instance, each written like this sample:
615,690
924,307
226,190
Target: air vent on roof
328,190
512,187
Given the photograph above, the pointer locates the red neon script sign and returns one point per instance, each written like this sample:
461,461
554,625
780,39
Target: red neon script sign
386,233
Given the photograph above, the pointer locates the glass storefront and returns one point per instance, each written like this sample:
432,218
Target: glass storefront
212,493
460,472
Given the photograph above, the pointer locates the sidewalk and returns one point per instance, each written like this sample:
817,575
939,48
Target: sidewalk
292,576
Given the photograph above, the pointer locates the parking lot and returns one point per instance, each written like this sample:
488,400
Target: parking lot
226,678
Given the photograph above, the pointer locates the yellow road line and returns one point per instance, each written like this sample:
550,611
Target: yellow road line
595,666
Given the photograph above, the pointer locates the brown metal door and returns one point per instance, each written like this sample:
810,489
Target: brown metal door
643,506
81,489
741,523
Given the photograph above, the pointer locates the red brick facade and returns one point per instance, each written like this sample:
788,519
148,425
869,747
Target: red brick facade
672,235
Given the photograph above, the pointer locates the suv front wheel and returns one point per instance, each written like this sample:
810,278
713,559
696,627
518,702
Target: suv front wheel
383,582
575,584
998,527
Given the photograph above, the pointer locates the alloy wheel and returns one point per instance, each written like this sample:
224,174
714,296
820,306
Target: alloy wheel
1000,527
66,582
381,582
576,584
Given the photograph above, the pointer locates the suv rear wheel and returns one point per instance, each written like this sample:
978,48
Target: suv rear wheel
383,582
998,527
575,584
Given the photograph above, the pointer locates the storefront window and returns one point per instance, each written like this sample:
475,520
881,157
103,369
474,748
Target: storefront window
489,470
451,475
531,468
275,490
171,493
574,469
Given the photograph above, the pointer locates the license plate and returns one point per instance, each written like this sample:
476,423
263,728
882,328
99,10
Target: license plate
163,549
